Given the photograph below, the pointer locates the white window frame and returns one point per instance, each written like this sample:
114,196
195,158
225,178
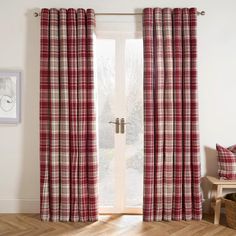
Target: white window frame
120,100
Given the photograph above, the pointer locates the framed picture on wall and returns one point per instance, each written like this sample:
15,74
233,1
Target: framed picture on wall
10,97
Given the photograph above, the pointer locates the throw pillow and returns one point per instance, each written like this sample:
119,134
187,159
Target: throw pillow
227,162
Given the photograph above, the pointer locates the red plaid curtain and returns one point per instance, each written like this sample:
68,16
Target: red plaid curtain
68,165
171,140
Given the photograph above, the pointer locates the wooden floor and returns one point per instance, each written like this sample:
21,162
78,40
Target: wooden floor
30,224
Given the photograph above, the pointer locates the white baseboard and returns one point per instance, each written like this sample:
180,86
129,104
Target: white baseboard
19,205
33,206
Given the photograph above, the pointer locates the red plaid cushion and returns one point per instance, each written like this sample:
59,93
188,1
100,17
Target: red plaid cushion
232,149
227,162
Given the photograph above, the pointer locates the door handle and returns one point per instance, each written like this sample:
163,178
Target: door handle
122,125
117,123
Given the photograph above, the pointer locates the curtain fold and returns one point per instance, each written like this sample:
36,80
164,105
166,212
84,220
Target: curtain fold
68,161
171,139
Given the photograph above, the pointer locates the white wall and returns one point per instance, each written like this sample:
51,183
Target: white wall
19,49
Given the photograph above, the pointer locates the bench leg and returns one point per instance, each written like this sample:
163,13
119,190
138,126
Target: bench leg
217,212
218,205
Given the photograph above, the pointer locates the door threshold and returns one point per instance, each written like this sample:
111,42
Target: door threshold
127,211
116,214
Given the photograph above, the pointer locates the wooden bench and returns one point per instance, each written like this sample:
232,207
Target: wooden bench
217,188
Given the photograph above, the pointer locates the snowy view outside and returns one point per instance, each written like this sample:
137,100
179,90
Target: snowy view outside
134,131
105,51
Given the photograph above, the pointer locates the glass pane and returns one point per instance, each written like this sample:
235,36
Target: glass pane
105,52
134,130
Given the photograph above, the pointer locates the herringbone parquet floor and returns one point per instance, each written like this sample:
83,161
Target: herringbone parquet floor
30,224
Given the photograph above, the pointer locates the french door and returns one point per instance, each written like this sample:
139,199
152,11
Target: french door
120,122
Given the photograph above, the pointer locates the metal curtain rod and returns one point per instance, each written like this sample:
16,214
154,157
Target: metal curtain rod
199,13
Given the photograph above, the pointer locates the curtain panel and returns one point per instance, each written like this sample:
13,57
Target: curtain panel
171,139
68,161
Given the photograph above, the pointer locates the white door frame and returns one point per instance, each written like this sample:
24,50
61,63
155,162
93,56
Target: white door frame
120,139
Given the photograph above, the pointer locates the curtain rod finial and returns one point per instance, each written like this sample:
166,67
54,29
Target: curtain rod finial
36,14
202,13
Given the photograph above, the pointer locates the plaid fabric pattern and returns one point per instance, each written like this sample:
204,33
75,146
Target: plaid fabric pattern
232,148
227,162
171,139
68,161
